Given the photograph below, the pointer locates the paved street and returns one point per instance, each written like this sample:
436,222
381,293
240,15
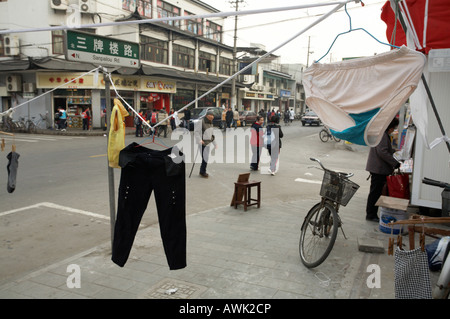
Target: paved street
58,217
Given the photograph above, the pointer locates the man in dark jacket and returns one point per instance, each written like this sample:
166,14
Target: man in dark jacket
380,163
229,117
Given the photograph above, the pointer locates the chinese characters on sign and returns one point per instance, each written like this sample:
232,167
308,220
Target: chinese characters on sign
121,82
92,48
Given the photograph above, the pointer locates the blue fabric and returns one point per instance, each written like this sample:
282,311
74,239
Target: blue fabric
355,134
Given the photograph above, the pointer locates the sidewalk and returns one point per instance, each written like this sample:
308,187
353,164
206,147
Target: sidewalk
231,254
80,132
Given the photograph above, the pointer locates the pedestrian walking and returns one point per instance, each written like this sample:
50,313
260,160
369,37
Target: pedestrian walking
380,164
274,135
204,137
256,142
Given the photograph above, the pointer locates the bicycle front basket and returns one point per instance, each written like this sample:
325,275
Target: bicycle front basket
337,189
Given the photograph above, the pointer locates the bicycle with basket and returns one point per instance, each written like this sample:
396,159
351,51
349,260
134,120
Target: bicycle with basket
320,226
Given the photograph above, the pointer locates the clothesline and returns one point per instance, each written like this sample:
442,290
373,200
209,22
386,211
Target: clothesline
177,18
9,111
323,17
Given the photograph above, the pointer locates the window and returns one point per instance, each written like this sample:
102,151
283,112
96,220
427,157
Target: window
206,62
183,56
166,10
194,25
213,31
144,7
226,66
154,50
58,42
181,98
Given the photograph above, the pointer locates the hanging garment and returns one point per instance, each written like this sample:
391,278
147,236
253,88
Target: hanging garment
13,164
116,139
411,274
144,171
358,98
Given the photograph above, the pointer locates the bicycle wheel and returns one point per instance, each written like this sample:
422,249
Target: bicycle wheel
318,234
324,136
336,139
31,127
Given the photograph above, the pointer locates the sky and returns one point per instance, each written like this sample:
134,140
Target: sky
272,29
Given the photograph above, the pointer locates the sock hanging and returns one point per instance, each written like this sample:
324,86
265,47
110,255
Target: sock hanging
13,164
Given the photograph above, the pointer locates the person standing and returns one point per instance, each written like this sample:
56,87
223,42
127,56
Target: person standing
224,121
229,117
256,142
138,124
62,119
235,117
173,125
380,164
204,137
274,135
187,118
86,115
162,115
263,114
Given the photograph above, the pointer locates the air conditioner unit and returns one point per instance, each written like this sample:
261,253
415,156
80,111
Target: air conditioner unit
59,4
11,45
87,6
13,83
261,87
29,87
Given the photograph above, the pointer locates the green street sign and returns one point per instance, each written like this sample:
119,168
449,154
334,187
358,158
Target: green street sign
100,50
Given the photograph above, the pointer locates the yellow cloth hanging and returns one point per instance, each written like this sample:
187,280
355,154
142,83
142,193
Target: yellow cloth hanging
116,140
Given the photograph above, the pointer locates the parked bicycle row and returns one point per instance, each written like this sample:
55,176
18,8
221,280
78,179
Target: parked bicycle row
24,126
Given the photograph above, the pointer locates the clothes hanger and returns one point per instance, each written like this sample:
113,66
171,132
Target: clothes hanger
163,145
13,148
351,30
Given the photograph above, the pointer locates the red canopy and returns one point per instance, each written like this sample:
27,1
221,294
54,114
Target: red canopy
431,21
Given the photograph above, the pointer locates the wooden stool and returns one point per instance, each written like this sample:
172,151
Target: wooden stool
246,187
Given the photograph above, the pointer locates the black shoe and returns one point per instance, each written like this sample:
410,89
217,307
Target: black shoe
253,168
205,175
373,219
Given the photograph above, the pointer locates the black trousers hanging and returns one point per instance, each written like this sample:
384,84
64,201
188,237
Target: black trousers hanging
145,171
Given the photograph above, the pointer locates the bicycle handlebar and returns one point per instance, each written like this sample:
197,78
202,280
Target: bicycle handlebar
432,182
346,175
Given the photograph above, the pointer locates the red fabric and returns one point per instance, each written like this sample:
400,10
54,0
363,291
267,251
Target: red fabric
438,25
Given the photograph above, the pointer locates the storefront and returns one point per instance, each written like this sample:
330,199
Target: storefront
87,91
255,101
74,97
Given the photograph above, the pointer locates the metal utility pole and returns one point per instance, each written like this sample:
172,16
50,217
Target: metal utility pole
233,82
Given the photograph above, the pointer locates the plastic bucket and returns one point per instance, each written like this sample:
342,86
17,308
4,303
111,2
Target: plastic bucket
388,215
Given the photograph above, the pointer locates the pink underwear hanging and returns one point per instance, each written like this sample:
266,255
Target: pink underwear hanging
358,98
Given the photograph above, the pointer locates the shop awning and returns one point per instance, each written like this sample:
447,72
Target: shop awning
182,75
14,65
429,21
